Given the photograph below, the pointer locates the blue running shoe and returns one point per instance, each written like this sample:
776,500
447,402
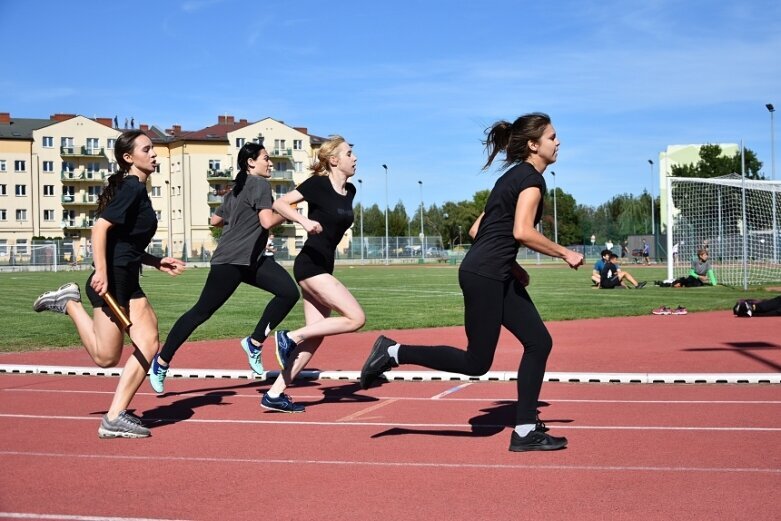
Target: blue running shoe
281,404
285,348
253,355
157,375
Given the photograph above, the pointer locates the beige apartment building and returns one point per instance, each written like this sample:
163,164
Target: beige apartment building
52,171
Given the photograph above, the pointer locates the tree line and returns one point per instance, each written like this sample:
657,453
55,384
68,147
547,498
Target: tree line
616,219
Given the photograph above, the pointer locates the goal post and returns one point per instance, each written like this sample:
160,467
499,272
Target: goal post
735,219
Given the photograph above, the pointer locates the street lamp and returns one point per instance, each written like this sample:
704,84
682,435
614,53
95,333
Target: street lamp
422,234
555,215
387,246
653,218
360,203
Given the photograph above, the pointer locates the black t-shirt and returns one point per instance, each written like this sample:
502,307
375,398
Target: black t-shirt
331,209
134,220
494,250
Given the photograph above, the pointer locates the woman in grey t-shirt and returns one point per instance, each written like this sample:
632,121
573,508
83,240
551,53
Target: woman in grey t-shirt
246,216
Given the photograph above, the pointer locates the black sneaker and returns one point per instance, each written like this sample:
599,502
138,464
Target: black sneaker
283,403
378,362
641,285
536,440
285,348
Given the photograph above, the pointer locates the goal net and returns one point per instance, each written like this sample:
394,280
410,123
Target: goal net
735,219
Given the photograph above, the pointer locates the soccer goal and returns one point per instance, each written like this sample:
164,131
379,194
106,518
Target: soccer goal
735,219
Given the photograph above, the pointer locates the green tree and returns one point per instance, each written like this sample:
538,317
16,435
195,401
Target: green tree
713,163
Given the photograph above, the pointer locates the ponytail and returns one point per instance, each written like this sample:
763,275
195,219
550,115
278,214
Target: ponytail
125,144
109,191
514,138
328,149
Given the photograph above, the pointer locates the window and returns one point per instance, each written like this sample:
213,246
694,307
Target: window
48,215
69,190
2,165
214,164
112,167
240,142
156,191
67,166
21,190
279,145
48,142
67,144
93,145
3,189
21,246
3,215
299,166
20,165
158,215
298,144
21,215
111,143
48,190
3,245
48,166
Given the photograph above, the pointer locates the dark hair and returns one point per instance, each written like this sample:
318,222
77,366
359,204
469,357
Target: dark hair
605,252
125,144
514,137
247,152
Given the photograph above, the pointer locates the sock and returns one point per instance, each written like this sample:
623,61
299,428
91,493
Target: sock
272,395
525,429
257,344
393,351
160,363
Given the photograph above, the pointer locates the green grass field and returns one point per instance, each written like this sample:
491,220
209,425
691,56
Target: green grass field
393,297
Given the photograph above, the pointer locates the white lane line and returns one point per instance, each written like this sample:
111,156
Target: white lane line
30,515
462,465
175,394
739,428
450,391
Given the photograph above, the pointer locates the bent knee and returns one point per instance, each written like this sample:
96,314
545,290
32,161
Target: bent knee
358,322
106,362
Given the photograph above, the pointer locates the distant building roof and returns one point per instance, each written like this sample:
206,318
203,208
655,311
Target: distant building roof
22,128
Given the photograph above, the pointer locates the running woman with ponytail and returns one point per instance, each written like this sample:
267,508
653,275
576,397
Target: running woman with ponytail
329,195
246,217
494,284
123,230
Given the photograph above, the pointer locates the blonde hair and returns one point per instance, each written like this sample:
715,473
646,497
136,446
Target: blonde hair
326,151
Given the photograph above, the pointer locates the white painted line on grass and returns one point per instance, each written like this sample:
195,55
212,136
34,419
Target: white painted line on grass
427,376
151,422
413,464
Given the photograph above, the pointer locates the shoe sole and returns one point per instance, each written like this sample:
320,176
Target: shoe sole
106,434
280,410
537,448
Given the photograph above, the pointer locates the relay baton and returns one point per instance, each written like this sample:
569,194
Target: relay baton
120,315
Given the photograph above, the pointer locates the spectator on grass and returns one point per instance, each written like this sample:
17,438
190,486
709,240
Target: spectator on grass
245,216
758,308
329,195
611,276
125,226
701,273
494,284
646,252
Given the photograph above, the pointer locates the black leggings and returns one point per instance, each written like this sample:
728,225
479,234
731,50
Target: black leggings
770,307
488,305
221,283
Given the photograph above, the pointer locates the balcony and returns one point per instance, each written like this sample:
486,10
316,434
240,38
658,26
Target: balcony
219,175
77,224
86,176
80,200
282,175
281,153
214,199
82,152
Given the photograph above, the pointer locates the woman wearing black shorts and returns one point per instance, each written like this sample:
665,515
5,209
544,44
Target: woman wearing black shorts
247,216
120,236
330,199
494,284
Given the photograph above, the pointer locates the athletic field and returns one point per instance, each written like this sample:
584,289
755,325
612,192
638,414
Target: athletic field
393,297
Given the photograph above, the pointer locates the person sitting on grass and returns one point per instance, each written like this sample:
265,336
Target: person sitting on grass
758,308
595,273
611,276
701,273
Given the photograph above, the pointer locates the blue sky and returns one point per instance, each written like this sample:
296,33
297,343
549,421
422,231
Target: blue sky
413,84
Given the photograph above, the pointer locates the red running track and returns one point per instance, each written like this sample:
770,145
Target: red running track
414,450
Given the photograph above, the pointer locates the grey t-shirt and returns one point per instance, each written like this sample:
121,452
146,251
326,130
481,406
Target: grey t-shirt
700,267
243,239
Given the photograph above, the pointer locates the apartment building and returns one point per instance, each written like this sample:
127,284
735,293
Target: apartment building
52,171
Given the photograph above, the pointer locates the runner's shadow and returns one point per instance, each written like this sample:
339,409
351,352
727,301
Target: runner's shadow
343,394
249,385
493,421
184,409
